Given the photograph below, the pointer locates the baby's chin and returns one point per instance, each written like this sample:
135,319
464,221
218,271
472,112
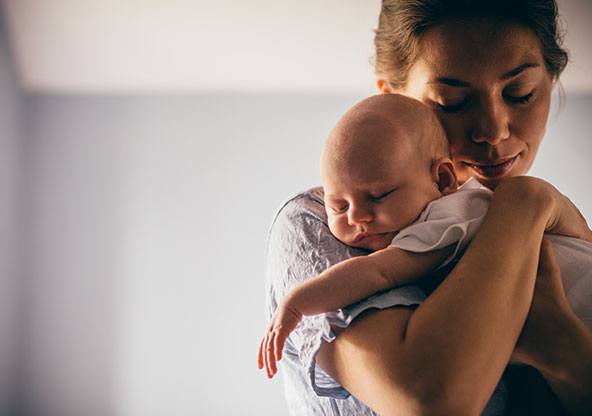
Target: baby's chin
372,247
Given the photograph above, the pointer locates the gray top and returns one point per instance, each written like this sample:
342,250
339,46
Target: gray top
300,246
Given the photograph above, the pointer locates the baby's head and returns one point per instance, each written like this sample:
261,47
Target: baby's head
384,161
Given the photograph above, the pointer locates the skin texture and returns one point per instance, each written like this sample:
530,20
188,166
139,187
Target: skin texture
378,178
488,84
447,355
373,165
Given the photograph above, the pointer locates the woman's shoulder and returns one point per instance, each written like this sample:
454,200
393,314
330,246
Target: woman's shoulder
300,244
309,200
302,208
299,237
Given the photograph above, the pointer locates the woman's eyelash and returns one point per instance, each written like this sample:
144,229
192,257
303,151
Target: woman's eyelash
520,100
453,108
460,106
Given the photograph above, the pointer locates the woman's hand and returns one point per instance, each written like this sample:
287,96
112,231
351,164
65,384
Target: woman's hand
282,323
548,312
563,217
567,218
555,341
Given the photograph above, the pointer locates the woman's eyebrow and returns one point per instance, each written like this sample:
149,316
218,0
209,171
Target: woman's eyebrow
449,81
452,82
518,70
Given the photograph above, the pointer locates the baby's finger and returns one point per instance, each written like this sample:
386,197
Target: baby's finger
260,363
266,357
262,352
272,369
278,346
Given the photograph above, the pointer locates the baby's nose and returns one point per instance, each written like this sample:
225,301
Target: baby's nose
359,214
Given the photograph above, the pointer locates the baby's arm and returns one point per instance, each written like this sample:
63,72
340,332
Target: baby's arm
343,284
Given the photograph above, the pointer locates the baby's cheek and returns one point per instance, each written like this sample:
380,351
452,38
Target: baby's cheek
333,225
339,228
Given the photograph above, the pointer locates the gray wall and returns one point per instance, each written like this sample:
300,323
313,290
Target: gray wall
10,139
148,222
139,290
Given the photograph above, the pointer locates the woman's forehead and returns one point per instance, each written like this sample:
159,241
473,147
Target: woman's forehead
464,50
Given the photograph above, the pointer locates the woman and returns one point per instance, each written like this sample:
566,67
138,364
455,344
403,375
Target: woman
487,69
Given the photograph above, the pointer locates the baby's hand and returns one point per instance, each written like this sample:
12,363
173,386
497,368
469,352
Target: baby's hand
282,323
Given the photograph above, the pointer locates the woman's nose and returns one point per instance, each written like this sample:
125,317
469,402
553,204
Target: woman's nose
491,123
359,214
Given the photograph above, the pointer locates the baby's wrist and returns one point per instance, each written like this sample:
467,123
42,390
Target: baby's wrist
290,307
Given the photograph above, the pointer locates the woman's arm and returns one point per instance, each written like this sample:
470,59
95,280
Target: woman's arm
447,356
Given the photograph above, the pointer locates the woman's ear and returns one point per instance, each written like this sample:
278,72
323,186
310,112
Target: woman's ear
444,175
383,86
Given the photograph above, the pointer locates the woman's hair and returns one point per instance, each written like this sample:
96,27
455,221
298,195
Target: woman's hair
403,23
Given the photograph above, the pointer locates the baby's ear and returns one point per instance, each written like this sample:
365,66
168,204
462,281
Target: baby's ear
444,175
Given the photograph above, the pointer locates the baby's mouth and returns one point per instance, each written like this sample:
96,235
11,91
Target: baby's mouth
367,236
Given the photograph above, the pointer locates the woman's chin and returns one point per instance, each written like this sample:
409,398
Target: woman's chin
490,182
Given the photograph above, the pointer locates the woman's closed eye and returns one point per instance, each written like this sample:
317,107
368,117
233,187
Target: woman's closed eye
453,108
520,99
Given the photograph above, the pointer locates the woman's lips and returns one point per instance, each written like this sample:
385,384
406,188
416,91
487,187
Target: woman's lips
495,169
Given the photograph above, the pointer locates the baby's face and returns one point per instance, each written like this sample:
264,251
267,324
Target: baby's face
371,197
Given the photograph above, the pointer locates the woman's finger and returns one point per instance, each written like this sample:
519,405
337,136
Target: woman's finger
547,261
548,283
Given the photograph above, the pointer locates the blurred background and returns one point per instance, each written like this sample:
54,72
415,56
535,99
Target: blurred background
144,148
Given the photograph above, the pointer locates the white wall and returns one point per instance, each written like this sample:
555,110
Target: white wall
102,46
10,137
565,155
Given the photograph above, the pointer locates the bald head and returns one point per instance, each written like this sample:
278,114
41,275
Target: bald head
382,126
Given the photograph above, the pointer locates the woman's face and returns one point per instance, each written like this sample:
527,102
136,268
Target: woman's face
488,84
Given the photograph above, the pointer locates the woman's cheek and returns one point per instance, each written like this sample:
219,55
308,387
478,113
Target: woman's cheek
531,125
455,129
530,128
458,139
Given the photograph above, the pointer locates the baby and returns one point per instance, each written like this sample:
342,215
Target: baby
391,188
